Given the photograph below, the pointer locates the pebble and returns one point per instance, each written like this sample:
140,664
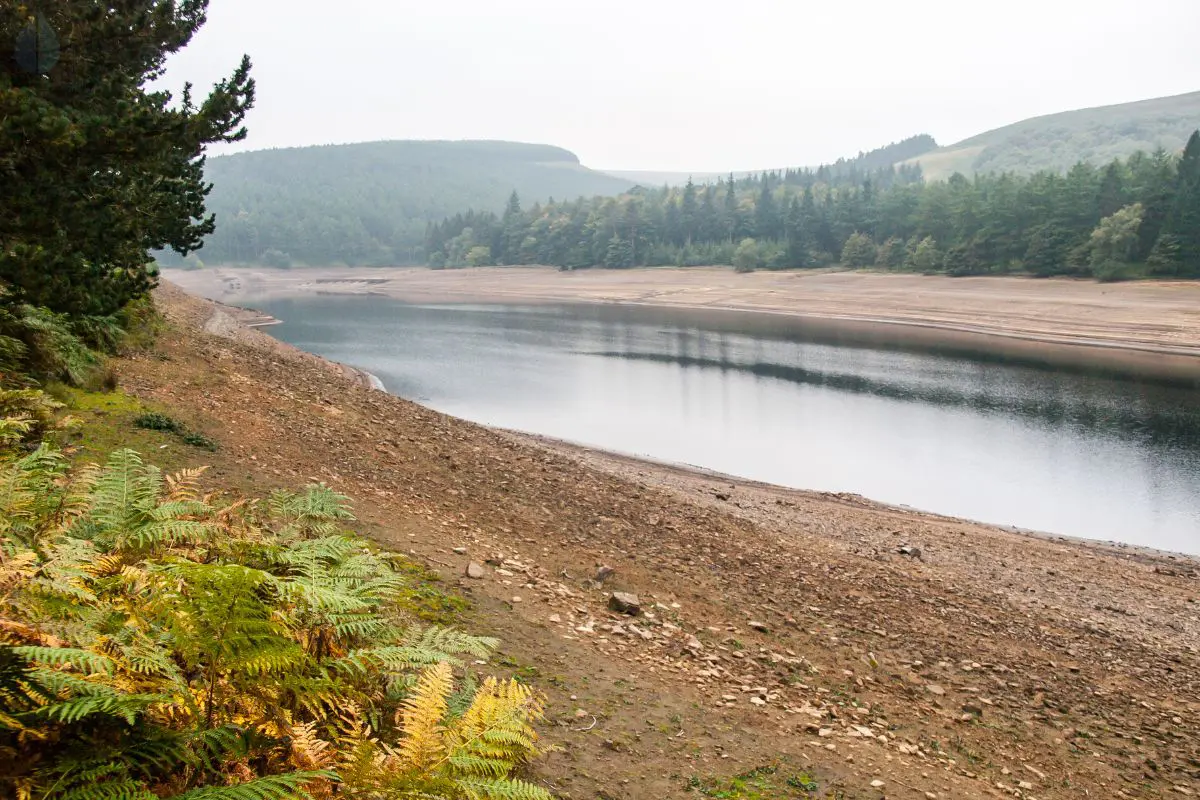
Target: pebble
475,570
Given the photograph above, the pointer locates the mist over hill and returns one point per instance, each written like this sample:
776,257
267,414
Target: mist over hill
370,203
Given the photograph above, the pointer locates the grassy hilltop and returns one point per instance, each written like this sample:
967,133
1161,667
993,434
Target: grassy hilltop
1058,141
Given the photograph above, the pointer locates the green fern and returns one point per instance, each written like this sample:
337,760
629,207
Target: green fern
153,643
270,787
76,658
501,789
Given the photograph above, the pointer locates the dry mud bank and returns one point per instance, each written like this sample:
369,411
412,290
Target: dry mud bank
776,624
1155,316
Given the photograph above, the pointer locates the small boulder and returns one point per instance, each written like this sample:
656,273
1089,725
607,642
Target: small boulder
625,603
475,570
761,627
910,551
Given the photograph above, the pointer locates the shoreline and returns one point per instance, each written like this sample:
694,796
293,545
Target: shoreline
1060,320
698,473
247,318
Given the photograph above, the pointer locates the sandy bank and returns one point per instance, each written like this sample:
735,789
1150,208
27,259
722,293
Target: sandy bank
1158,317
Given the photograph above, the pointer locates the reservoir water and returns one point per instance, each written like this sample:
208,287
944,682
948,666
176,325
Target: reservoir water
1071,448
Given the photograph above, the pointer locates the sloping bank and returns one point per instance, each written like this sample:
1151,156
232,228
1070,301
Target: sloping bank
779,629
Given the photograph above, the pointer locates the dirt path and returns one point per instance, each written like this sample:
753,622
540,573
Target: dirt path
776,624
1157,316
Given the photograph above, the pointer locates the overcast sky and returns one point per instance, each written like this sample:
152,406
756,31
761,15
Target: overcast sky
687,85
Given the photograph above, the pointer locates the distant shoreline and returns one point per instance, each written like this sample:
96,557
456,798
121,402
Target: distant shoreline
1144,327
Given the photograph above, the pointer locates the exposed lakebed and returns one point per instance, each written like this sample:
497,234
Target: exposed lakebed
1049,439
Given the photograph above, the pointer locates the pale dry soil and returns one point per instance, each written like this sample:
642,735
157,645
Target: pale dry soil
1159,316
776,624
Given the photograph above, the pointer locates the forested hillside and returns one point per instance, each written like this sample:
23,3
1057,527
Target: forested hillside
1058,141
1128,218
369,204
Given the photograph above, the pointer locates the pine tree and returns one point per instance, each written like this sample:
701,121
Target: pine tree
730,210
688,212
512,231
619,253
1182,226
798,246
1112,190
766,219
1154,177
98,169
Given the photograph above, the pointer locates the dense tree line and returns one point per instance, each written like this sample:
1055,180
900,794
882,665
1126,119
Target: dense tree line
1128,218
883,166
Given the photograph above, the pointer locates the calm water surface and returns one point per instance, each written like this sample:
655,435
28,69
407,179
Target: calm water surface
1072,449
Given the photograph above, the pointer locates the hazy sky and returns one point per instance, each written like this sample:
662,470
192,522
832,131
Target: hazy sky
689,85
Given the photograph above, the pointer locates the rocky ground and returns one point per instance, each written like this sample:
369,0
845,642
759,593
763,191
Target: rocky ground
866,651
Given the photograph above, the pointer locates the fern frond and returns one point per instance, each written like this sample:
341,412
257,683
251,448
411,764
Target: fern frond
123,788
496,732
421,718
461,700
450,640
314,513
125,485
501,789
479,766
185,485
209,748
126,707
82,660
106,565
388,659
167,532
308,750
271,787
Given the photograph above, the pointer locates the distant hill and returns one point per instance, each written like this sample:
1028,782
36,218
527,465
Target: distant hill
863,163
654,178
1058,141
369,204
